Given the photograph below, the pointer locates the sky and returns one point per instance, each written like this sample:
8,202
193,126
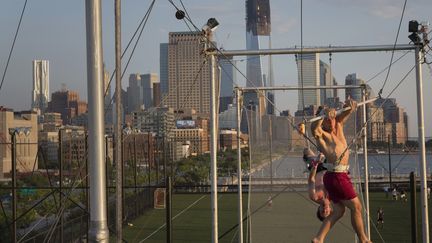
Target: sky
54,30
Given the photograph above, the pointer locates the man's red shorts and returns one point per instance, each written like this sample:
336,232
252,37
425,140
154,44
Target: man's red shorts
339,186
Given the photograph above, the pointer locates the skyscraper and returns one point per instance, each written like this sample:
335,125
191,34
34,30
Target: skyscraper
68,104
140,90
134,93
107,100
327,79
163,68
227,82
188,73
257,24
308,69
149,80
354,93
40,96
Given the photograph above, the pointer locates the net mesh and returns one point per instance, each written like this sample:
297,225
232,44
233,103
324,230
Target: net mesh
279,205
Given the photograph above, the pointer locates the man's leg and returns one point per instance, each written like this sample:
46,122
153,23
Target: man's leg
356,218
338,212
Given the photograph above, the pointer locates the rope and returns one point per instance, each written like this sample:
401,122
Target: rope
142,26
382,104
294,126
13,44
394,46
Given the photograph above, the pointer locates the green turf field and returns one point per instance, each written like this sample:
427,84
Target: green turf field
291,218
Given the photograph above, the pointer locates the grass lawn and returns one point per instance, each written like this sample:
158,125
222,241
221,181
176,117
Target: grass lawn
291,218
397,218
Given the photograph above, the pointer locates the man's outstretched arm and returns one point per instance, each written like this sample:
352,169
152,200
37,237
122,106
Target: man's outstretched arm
345,115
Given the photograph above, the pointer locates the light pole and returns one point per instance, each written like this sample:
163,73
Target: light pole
208,31
13,132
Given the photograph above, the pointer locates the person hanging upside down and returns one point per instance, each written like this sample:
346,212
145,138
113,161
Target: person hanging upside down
331,141
316,189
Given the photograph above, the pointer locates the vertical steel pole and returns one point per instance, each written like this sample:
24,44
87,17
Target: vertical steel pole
366,165
168,198
389,161
239,169
14,196
60,160
213,149
149,166
119,166
98,231
270,155
135,174
413,189
106,173
421,142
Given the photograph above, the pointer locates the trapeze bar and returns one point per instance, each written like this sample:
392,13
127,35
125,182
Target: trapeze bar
338,112
300,87
306,50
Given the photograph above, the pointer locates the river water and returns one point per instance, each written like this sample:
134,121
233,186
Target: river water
401,164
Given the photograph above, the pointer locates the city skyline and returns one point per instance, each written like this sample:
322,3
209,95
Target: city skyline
66,49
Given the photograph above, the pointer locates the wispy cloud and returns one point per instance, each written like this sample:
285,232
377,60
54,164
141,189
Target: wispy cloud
385,9
285,26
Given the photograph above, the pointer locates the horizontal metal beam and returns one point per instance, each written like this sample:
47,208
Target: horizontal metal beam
300,87
306,50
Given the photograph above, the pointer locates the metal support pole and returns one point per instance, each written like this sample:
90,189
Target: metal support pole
60,160
239,169
413,189
165,167
135,174
421,142
106,173
118,132
148,166
389,161
87,184
98,231
168,198
366,165
270,151
213,149
303,50
14,193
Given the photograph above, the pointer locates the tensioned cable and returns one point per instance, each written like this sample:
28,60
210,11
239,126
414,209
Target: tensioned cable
301,58
142,26
382,104
361,198
394,47
144,19
386,68
13,44
243,75
249,214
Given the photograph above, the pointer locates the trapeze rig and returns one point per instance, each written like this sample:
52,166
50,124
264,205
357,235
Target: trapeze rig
418,44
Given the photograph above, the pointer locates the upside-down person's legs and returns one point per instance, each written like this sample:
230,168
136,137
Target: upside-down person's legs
337,213
356,218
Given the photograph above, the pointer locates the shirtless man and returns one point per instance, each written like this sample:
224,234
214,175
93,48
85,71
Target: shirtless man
316,189
332,143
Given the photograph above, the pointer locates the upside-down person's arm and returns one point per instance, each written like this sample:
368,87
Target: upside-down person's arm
311,183
316,129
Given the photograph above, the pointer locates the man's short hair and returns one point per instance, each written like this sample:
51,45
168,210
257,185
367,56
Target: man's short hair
318,214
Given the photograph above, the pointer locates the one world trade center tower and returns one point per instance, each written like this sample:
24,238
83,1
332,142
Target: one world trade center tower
258,26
